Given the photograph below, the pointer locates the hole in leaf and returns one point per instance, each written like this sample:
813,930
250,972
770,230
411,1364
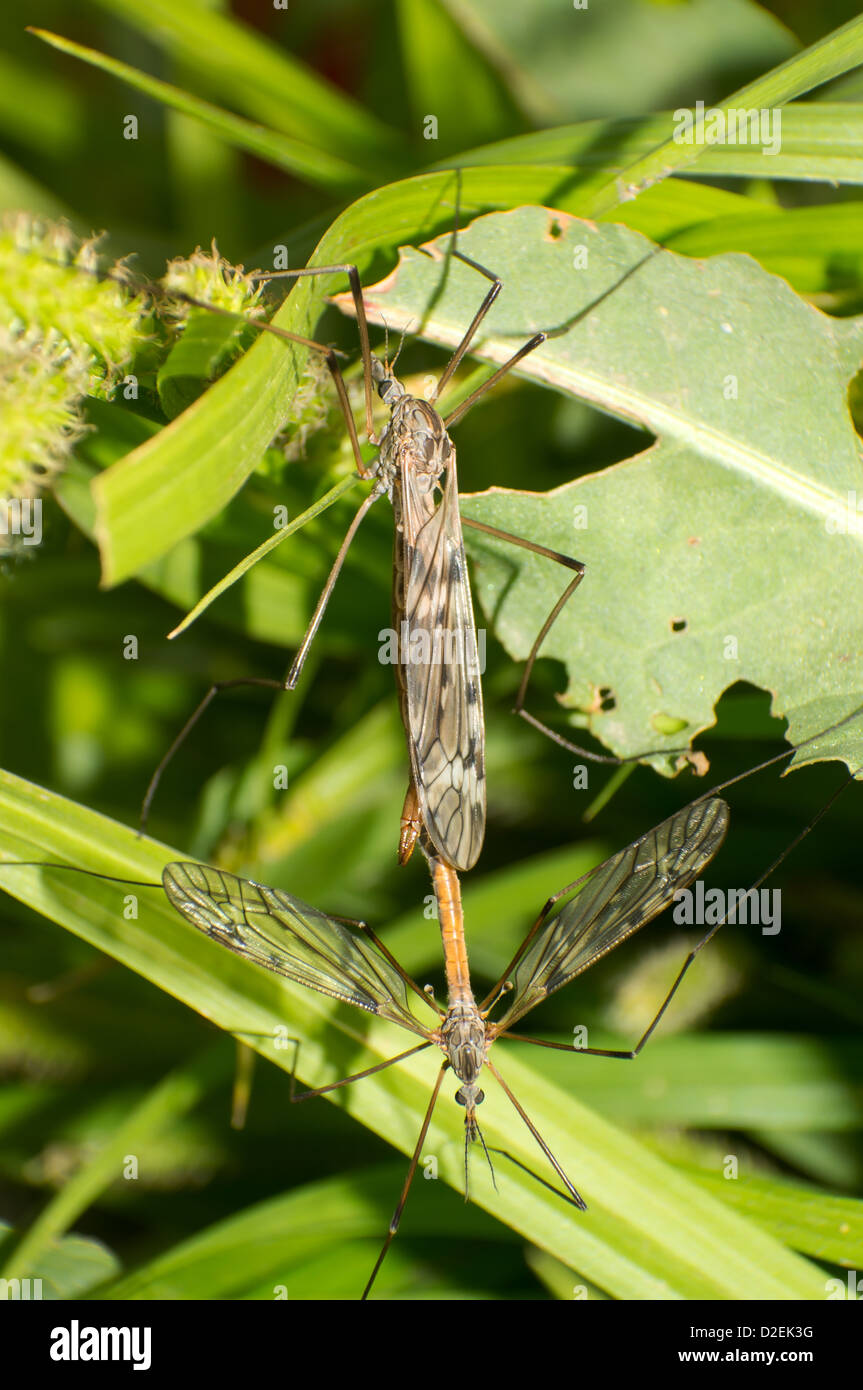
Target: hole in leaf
855,401
678,624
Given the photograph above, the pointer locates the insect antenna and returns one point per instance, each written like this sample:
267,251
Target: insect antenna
488,1152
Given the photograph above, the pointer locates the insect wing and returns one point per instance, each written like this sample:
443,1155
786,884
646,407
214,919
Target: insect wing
442,680
288,937
617,898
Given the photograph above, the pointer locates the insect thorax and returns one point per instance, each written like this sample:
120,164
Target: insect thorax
463,1040
415,439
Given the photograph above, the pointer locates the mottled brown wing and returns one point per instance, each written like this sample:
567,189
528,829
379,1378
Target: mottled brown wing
442,680
617,898
288,937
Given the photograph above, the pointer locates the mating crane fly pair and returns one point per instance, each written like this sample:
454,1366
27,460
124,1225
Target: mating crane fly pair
445,807
438,670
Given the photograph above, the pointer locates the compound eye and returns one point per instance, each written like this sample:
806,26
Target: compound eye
479,1097
460,1097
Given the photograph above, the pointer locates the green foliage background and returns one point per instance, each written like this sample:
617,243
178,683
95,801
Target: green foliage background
309,110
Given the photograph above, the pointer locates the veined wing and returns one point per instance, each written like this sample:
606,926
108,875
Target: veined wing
620,896
288,937
442,682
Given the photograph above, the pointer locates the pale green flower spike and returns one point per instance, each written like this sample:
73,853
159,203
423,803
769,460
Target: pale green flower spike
66,331
208,277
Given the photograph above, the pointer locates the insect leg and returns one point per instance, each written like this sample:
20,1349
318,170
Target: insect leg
415,1158
467,337
187,728
330,356
262,681
347,1080
573,1192
362,325
411,824
462,410
537,1177
411,983
568,562
300,658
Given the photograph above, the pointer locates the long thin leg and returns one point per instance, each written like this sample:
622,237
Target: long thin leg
415,1158
467,337
610,759
458,415
721,786
757,884
330,356
537,549
214,690
487,1153
347,1080
491,296
628,1056
571,1189
357,294
502,985
300,658
76,869
264,682
462,410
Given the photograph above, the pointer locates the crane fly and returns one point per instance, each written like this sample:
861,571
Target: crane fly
437,670
277,931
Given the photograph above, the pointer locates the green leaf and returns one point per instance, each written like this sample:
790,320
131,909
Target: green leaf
815,249
66,1268
317,1242
178,1093
826,1228
281,150
831,56
727,550
259,77
561,61
738,1082
821,141
649,1232
472,104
